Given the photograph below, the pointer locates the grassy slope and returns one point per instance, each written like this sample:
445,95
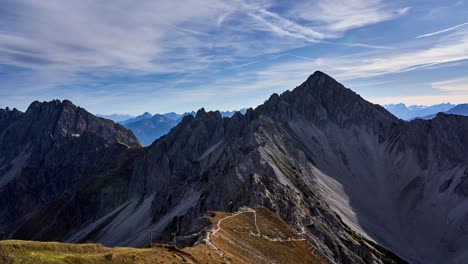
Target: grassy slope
52,252
237,241
273,242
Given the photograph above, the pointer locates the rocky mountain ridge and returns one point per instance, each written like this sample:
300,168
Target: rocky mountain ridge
147,127
47,152
341,171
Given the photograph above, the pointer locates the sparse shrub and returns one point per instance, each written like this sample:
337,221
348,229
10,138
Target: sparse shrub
4,257
109,256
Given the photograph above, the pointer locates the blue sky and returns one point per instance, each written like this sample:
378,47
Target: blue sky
163,55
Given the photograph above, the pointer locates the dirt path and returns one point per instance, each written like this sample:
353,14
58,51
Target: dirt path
243,210
214,231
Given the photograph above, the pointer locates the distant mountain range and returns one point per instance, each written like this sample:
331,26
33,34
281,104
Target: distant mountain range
461,109
116,117
143,116
147,127
414,111
352,180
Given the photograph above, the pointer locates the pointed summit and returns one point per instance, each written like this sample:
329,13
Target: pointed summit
317,75
201,112
321,98
320,80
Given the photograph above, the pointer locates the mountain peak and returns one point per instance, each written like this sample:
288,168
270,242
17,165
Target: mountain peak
321,77
49,105
201,112
7,116
324,86
321,99
7,110
317,74
61,119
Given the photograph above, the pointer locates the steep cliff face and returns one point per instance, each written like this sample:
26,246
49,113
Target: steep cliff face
7,117
47,153
341,171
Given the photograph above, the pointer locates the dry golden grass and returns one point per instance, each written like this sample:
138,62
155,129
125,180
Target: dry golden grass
273,242
52,252
248,236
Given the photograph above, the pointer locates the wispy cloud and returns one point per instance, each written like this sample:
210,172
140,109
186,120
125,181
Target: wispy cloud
442,31
365,45
451,49
161,36
337,16
183,45
454,85
284,27
82,35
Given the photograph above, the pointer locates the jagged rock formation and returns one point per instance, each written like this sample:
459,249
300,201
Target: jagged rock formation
341,171
7,117
47,153
147,128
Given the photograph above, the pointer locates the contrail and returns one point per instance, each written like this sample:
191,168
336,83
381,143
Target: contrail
442,31
245,64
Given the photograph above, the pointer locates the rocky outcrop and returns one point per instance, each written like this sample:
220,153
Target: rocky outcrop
7,117
147,128
47,153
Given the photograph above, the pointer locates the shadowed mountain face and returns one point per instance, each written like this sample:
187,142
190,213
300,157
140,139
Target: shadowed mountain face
7,117
338,169
46,154
147,128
